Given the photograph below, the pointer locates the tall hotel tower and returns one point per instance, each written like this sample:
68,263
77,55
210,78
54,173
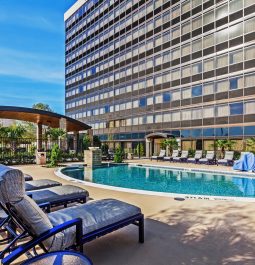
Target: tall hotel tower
140,71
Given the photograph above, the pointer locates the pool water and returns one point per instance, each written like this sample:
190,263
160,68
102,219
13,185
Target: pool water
166,180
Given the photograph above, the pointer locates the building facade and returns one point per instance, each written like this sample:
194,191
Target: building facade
183,68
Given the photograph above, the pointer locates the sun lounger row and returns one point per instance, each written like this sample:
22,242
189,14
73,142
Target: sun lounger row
66,228
210,157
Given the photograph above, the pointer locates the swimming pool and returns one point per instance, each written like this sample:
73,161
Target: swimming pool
166,180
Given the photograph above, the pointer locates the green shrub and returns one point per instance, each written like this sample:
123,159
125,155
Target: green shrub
191,152
55,155
118,156
105,149
140,149
86,142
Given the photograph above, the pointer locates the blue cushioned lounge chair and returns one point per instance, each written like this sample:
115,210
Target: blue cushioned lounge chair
209,159
228,159
174,154
198,155
160,156
88,221
182,158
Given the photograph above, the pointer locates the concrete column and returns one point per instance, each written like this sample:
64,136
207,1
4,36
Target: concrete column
75,141
90,134
39,136
62,142
148,148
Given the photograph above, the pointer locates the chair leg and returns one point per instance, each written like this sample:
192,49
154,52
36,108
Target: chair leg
141,230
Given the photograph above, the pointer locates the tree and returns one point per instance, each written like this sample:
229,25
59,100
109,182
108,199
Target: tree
171,143
14,133
250,144
86,142
42,106
140,149
105,149
118,155
224,144
96,141
55,155
55,133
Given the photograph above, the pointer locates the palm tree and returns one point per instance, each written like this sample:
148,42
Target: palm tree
250,143
14,133
224,144
171,143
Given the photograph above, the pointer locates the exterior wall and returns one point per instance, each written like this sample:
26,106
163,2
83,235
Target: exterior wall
182,67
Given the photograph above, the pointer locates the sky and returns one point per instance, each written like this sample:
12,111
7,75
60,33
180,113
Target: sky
32,56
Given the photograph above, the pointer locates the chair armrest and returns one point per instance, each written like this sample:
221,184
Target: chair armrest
51,232
46,206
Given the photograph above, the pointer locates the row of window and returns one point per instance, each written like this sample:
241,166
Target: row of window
209,17
223,110
210,64
208,88
167,56
237,131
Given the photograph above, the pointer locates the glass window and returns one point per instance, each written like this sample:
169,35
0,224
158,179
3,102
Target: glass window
221,131
196,3
249,53
196,23
176,95
150,100
185,133
233,83
236,108
158,118
249,130
208,41
142,102
186,93
196,68
208,89
249,108
197,45
197,91
235,31
176,12
185,28
249,80
236,131
208,17
186,50
175,54
222,61
176,33
208,112
185,6
222,11
208,132
150,119
196,114
236,57
222,111
176,116
222,36
235,5
196,133
209,65
249,25
166,97
186,71
166,117
222,86
186,115
158,99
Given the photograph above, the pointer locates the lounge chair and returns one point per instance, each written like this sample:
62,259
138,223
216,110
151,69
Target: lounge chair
86,222
182,158
41,184
198,155
66,257
227,160
174,154
160,156
209,159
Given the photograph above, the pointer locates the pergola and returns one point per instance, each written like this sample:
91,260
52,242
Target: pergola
41,117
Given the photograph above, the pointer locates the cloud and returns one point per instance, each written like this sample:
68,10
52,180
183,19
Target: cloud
33,66
29,20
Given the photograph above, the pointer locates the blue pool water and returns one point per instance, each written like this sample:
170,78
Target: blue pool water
166,180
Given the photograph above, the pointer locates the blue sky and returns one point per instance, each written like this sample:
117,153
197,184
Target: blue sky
32,52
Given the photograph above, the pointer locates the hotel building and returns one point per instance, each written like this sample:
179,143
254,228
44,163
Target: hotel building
159,68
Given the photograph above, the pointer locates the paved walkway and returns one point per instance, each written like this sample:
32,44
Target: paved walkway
177,232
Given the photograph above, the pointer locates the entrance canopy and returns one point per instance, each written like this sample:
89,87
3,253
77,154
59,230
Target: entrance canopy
157,135
42,117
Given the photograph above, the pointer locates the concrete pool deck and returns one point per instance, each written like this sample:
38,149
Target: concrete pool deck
176,232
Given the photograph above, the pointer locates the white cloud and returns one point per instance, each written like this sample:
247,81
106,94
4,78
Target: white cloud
33,66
